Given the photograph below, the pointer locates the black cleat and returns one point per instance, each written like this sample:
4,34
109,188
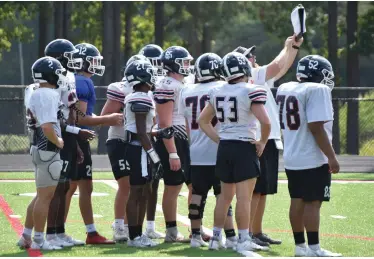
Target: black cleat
264,238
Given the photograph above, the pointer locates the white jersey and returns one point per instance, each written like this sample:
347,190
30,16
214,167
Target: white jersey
232,103
203,150
259,78
117,92
168,89
141,99
42,108
68,96
300,104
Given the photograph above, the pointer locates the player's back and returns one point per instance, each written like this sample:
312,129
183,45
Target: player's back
192,101
300,104
232,103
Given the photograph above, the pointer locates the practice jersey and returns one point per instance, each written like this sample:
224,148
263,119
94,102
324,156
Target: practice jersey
86,93
232,104
117,92
68,95
143,99
203,150
168,89
259,78
300,104
42,108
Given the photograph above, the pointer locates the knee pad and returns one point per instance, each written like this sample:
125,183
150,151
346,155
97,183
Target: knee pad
229,212
54,169
197,205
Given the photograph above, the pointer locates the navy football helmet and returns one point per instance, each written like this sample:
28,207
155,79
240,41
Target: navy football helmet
49,70
208,67
317,69
140,72
153,52
63,50
235,65
91,59
177,59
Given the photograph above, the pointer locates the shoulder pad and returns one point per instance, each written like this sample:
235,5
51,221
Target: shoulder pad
137,107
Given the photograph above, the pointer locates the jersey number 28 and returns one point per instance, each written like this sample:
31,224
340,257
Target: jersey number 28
292,111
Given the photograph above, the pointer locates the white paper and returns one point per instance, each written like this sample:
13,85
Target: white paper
295,19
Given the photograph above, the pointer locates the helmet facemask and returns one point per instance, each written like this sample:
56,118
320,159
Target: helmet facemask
157,64
328,77
184,65
73,63
62,81
95,66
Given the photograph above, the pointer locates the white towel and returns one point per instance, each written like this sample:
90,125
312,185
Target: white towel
144,163
298,17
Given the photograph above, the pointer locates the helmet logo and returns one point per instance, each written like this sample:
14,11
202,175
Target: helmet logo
82,51
168,55
213,64
313,64
241,60
50,63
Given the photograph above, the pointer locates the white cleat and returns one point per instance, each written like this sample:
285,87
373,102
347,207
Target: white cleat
322,253
69,239
301,251
44,246
249,245
152,234
215,244
120,234
248,253
142,241
24,243
231,242
197,241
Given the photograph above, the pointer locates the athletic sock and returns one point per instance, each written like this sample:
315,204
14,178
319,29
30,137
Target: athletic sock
196,232
313,238
27,232
230,233
243,235
133,233
299,238
90,228
171,224
119,223
38,237
217,232
151,225
60,230
51,230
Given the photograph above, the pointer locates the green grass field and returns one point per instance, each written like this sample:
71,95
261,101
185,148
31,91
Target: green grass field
351,235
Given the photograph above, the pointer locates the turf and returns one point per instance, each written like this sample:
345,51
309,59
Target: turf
109,176
351,235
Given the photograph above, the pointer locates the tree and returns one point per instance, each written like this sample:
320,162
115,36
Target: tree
333,58
12,27
159,23
116,41
107,14
44,20
59,19
353,77
128,29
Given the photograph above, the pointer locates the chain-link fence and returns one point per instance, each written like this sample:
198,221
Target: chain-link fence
353,122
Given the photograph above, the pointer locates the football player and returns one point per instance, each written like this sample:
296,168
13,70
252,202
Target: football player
306,118
140,113
267,182
174,153
153,53
203,150
46,142
115,144
236,105
86,94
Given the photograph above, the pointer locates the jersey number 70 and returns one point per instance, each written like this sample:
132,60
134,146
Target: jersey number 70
292,111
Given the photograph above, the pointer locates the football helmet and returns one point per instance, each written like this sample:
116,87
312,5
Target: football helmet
49,70
177,59
208,66
91,59
63,50
140,72
248,53
135,57
153,52
235,65
317,69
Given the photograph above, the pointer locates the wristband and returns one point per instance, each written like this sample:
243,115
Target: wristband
153,155
173,156
295,47
72,129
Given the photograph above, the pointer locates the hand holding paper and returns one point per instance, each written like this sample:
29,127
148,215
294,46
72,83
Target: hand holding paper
298,17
